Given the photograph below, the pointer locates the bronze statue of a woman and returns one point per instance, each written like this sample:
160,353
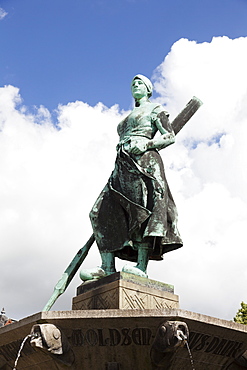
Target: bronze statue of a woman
135,217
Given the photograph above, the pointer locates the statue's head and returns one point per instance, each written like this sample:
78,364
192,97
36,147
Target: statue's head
147,83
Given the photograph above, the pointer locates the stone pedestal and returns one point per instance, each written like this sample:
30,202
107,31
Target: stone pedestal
124,291
123,322
123,340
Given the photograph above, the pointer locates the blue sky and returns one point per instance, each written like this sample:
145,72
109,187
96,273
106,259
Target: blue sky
60,51
71,62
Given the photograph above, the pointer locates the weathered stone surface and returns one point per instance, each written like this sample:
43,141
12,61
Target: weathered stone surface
125,291
122,339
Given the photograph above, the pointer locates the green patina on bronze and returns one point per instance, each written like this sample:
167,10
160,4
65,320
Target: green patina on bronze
135,217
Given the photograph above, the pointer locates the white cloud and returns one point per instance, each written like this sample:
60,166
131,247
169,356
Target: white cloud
3,13
51,176
49,181
208,171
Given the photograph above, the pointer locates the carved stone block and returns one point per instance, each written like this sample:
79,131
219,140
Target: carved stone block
125,291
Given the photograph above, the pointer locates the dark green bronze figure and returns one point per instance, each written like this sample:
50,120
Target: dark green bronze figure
135,217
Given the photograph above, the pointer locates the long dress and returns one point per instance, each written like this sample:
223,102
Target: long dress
136,204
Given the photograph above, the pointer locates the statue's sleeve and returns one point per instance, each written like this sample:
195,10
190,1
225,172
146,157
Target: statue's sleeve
160,118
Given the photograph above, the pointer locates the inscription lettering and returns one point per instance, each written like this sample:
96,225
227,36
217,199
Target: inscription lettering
127,339
91,337
112,337
9,351
77,337
115,337
133,336
215,345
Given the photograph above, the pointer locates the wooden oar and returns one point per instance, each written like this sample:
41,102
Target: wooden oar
69,273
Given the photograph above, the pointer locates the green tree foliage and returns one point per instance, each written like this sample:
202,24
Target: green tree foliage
241,315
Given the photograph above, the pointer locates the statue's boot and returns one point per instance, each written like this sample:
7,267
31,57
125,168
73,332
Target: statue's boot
107,268
142,262
134,270
92,274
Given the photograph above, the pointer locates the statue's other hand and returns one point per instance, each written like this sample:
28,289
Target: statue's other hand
137,147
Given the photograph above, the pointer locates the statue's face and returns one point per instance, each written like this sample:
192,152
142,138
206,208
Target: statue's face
138,89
